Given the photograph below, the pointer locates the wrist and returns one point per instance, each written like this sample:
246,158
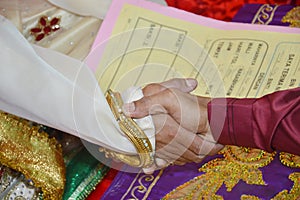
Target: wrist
203,126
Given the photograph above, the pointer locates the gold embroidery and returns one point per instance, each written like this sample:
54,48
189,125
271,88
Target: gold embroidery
141,188
133,133
39,158
153,184
289,160
293,17
295,191
264,15
131,185
239,163
249,197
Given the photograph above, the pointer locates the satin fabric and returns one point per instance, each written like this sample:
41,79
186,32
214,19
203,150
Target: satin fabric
58,91
275,174
222,9
131,186
269,123
96,8
248,13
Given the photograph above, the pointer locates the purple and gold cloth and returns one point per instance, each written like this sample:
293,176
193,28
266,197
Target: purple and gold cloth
235,173
280,15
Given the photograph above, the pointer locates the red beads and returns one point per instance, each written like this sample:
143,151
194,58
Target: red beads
45,27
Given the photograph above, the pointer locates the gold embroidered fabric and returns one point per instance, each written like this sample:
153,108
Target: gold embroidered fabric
33,153
264,15
132,191
289,160
238,164
134,134
293,17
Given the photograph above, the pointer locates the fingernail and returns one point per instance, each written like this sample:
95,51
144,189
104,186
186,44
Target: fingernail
191,83
128,108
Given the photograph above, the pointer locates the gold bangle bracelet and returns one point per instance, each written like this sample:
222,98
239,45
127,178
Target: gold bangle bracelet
134,134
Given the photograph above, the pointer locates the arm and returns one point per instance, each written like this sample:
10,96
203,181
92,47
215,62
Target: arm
270,122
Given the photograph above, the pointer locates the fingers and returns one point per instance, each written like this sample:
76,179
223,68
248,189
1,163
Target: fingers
174,142
159,98
175,145
157,103
184,85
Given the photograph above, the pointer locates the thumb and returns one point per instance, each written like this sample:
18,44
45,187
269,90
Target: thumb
154,104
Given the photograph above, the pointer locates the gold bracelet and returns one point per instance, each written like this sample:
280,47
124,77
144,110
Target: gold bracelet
134,134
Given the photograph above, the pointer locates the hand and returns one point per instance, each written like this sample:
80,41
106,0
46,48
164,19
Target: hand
178,117
178,145
172,97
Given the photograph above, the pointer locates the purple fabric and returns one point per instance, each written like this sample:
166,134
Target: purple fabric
275,175
253,13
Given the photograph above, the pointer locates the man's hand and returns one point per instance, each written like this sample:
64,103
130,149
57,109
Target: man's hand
180,120
173,98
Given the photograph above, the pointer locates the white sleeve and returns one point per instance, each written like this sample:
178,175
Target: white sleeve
55,90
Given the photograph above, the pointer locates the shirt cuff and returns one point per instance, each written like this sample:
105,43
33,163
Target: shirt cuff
231,121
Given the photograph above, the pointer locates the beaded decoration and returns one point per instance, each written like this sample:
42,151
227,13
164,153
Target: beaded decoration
45,27
293,17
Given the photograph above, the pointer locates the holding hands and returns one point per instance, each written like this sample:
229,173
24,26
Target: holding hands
180,118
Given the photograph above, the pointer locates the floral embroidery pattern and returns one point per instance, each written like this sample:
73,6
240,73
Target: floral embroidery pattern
219,9
289,160
293,17
45,27
238,164
294,193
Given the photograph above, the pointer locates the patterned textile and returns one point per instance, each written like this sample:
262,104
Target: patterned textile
221,9
281,15
38,162
29,155
237,172
43,24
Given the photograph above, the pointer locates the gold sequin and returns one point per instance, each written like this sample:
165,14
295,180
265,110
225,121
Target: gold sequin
293,17
294,193
289,160
249,197
239,163
34,154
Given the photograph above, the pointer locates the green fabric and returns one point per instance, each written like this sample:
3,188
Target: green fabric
83,173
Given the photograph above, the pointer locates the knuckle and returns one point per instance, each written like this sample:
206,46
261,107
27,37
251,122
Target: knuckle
171,135
169,93
150,88
197,148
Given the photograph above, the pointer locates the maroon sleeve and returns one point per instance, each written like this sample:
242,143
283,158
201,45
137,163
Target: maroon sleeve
271,122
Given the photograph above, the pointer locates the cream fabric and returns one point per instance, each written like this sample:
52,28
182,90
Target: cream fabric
51,88
96,8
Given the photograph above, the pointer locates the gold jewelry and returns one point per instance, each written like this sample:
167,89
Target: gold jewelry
134,134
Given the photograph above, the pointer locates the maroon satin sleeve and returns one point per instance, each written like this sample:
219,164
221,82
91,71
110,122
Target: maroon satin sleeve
271,122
